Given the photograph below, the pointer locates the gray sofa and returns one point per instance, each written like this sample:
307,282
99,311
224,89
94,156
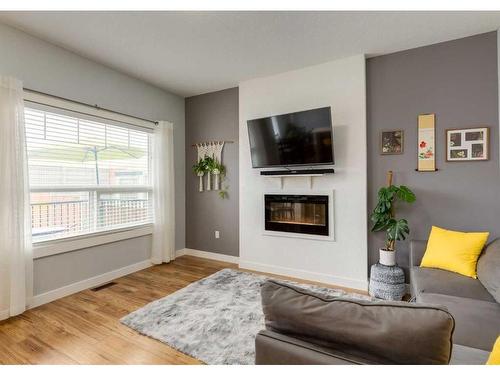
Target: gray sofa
305,328
474,303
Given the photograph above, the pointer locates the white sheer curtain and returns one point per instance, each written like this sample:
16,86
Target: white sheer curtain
163,249
16,260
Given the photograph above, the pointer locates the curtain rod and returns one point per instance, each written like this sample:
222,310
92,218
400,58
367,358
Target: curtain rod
95,106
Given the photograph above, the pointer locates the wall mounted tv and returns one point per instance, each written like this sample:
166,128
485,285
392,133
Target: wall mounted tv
294,139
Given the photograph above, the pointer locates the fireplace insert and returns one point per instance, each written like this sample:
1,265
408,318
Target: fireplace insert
306,214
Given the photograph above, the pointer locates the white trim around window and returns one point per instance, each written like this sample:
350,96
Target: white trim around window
60,245
98,189
64,245
67,105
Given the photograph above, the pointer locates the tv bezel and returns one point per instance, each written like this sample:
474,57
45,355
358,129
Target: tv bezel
295,165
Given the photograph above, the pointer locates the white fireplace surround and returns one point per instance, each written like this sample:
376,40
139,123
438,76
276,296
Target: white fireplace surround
340,85
331,216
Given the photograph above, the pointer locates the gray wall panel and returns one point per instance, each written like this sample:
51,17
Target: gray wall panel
212,116
458,81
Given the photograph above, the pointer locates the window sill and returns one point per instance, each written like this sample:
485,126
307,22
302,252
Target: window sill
48,248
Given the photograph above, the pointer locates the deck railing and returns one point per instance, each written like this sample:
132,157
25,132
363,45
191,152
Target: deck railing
75,216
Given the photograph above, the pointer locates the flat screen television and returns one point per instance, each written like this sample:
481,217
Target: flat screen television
294,139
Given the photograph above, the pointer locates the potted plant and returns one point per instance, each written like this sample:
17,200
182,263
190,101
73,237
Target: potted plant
199,169
384,220
210,164
217,169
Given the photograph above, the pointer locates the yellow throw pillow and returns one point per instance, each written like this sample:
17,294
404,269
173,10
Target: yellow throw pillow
454,251
494,358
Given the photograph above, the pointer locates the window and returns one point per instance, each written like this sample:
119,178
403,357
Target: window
87,175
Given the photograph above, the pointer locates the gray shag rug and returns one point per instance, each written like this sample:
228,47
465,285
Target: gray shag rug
214,319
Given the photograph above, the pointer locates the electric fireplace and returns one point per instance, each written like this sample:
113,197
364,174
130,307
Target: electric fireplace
305,214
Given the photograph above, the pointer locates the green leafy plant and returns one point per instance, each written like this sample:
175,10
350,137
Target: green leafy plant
383,215
223,193
200,167
209,164
214,166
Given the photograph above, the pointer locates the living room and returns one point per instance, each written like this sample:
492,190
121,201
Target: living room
245,187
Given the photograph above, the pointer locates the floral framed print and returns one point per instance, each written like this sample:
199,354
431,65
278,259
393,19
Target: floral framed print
426,145
391,142
470,144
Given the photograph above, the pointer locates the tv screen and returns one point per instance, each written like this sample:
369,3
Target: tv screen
299,138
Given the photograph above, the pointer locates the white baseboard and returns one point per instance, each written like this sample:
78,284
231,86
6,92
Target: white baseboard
4,314
181,252
283,271
64,291
207,255
306,275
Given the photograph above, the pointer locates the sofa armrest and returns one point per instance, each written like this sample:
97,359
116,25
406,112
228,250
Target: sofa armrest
417,251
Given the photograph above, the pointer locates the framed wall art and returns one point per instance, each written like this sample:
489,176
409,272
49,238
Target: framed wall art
391,142
470,144
426,145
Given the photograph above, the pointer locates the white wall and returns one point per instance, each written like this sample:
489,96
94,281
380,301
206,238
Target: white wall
48,68
341,85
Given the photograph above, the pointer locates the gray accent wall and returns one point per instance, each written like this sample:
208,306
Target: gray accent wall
213,116
457,81
51,69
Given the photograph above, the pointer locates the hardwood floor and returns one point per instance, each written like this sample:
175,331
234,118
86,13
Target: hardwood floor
84,328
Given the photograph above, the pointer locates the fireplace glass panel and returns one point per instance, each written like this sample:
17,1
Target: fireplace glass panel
307,214
298,213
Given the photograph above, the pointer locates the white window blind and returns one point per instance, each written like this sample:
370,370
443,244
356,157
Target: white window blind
87,175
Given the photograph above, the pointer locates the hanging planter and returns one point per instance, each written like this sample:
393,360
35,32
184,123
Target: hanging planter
219,172
209,181
199,169
209,166
200,185
217,169
216,174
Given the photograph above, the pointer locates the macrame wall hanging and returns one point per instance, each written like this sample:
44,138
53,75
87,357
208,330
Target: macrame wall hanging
209,162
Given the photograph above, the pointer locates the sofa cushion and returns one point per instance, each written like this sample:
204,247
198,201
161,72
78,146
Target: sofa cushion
477,322
488,269
454,251
465,355
272,348
431,280
376,331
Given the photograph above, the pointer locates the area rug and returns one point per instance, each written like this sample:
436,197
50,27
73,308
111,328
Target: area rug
214,319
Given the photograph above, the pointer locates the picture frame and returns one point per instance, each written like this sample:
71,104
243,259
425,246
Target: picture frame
468,144
391,142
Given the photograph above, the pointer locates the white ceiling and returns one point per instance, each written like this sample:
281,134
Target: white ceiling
190,53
